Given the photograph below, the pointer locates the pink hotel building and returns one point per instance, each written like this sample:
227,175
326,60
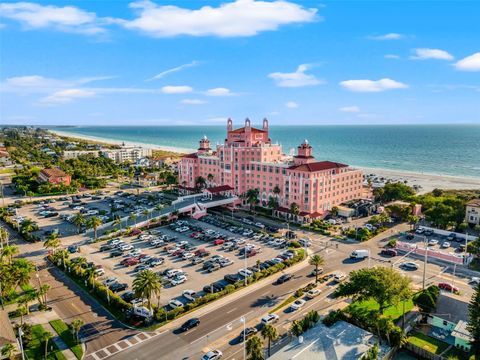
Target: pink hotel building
248,159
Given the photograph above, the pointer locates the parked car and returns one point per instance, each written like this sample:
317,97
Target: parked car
409,265
313,293
189,294
73,249
117,287
445,245
174,303
448,287
432,242
389,252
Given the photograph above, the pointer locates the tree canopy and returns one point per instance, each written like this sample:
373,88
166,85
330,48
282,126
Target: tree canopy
386,286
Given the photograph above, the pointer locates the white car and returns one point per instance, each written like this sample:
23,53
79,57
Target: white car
339,277
187,255
174,303
313,293
145,237
445,244
134,252
174,272
475,280
189,294
100,272
125,247
212,355
432,242
297,304
409,265
270,319
157,243
245,273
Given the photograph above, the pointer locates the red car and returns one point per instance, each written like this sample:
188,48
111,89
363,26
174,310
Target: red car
135,232
131,262
179,252
202,253
448,287
219,242
389,252
252,253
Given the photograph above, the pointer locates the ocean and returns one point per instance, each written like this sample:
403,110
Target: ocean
429,149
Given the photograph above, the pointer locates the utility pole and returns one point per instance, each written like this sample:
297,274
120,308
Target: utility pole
246,277
425,262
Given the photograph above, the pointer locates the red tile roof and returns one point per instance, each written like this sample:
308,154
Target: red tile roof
218,189
242,130
318,166
474,202
53,172
191,156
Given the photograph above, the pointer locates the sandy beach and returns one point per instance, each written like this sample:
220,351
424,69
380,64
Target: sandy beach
426,182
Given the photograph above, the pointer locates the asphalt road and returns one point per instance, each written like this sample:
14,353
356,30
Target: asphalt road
221,327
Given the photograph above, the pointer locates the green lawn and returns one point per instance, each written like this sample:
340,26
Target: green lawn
64,332
35,349
393,312
428,343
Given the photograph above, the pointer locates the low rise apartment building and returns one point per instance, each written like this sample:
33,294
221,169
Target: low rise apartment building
127,154
73,154
472,212
54,176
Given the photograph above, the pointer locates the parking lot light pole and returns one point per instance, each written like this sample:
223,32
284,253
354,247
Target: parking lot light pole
246,277
244,321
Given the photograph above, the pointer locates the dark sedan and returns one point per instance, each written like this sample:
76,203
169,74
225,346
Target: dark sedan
191,323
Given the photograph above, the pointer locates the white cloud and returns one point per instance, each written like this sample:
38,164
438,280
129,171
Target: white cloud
41,84
173,70
291,104
469,63
424,54
66,18
389,36
220,91
238,18
295,79
192,101
391,56
66,96
350,109
372,85
181,89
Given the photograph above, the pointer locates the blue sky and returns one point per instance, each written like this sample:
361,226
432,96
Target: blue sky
198,62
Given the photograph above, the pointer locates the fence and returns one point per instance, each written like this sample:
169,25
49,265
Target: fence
422,353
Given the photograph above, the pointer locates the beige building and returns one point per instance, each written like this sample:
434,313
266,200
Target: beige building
472,212
73,154
127,154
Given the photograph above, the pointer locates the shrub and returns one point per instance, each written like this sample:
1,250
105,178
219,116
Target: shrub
392,243
332,317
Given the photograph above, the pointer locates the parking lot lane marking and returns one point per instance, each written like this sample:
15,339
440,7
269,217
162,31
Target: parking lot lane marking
230,311
94,355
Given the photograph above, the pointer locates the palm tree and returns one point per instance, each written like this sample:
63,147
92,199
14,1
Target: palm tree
9,251
28,226
93,223
117,221
317,261
294,209
146,213
92,276
8,351
75,326
296,328
45,338
254,348
146,284
273,203
42,294
252,198
22,309
79,220
4,235
269,333
133,217
52,241
200,183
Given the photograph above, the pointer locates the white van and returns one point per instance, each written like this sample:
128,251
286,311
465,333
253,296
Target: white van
360,254
142,312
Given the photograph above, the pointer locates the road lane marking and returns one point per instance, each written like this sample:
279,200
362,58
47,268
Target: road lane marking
230,311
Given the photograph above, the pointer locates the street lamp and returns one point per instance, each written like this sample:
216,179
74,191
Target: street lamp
425,262
244,321
20,334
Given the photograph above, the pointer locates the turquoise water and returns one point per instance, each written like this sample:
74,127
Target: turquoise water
436,149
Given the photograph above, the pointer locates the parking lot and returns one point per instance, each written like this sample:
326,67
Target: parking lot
190,255
447,244
58,214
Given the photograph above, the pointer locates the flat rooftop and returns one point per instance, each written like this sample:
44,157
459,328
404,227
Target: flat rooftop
341,341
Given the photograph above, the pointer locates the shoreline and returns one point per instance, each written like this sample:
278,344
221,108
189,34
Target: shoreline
427,181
